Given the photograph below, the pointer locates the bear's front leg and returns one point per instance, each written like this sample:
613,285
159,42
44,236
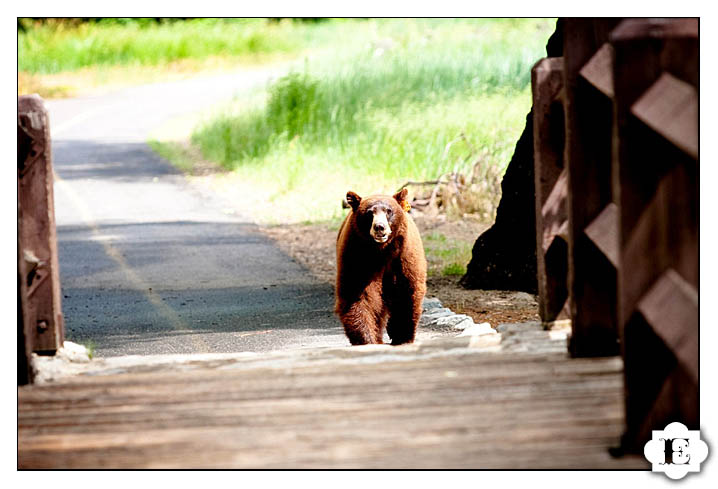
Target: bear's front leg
404,314
362,325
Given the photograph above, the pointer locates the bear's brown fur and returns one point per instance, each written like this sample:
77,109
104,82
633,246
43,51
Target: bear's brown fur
381,270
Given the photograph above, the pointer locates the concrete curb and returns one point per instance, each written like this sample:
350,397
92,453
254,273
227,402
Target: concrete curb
59,368
72,362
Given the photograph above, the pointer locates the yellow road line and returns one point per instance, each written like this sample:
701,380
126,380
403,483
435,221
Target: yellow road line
139,283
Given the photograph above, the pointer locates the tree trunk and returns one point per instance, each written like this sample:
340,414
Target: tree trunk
504,256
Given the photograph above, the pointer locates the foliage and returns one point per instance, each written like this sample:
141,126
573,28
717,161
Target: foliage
446,257
378,102
454,269
58,45
386,112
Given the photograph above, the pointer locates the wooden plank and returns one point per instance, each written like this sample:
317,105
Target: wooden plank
603,232
599,70
671,308
670,107
462,411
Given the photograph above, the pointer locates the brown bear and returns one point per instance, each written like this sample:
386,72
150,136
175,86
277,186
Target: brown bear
381,270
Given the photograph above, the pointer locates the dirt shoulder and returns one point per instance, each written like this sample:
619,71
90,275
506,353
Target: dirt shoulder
447,242
313,246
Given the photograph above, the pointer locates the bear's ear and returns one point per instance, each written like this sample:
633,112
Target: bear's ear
400,197
353,200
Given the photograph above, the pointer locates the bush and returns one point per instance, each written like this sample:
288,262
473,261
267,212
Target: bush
294,105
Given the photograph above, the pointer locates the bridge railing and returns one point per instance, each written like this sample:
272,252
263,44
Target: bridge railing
40,321
616,168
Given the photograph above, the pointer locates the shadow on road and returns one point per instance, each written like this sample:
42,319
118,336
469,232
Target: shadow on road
183,287
111,160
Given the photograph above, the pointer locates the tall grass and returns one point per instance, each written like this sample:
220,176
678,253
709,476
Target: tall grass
63,45
384,112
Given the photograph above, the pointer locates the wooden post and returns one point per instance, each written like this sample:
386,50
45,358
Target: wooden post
591,207
655,172
551,184
24,370
39,284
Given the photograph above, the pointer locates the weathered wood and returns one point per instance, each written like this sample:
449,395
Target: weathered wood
671,308
457,411
24,352
655,172
553,212
603,231
550,182
599,70
42,311
589,119
670,107
546,86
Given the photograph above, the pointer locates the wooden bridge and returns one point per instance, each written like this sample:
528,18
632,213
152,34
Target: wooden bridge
616,155
441,405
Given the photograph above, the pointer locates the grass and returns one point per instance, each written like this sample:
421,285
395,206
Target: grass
65,57
446,257
58,46
91,347
176,153
454,269
386,113
375,104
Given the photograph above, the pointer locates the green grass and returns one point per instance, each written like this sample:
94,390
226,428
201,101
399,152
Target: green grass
59,46
375,104
454,269
418,99
175,153
446,257
91,347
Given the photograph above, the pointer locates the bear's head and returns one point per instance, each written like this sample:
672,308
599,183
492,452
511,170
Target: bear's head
380,217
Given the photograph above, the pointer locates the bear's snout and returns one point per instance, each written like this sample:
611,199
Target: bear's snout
380,229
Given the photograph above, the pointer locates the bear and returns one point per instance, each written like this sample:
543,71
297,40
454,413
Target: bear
381,270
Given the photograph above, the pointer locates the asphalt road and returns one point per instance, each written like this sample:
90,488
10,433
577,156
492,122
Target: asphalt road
148,265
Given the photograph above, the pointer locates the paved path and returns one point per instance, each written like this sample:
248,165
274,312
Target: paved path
150,266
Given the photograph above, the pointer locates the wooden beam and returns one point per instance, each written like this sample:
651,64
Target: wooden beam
670,107
603,232
589,130
656,176
42,312
550,185
599,70
671,308
553,212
